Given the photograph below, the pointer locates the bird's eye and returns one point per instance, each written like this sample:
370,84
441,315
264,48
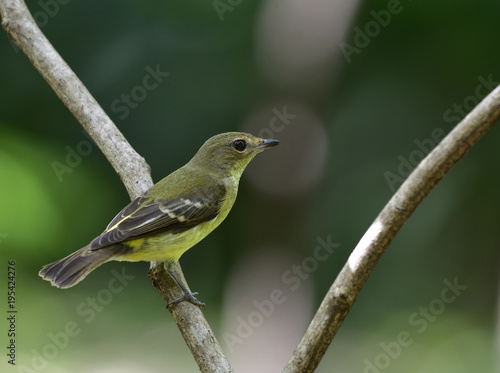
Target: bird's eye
239,145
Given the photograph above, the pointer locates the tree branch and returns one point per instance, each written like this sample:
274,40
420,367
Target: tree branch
22,30
362,261
132,168
134,173
194,329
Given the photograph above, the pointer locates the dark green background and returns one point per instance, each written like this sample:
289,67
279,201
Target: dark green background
354,123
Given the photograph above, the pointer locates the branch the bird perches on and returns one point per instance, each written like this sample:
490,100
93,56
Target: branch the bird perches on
134,173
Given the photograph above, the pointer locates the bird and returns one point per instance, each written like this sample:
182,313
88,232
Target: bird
172,216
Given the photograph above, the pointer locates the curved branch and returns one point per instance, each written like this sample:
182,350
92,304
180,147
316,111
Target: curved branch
130,166
362,261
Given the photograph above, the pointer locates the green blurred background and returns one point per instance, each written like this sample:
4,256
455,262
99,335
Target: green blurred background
349,89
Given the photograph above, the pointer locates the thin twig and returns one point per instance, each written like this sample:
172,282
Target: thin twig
130,166
362,261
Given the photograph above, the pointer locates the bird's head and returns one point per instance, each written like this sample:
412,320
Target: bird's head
231,152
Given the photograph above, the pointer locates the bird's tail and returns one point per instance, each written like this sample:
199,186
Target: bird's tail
69,271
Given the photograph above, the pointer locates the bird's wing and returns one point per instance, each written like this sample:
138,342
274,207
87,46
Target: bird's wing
147,216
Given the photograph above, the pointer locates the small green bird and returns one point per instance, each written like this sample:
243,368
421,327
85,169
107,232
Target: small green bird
171,217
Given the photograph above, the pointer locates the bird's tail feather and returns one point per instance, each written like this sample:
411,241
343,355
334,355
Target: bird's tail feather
72,269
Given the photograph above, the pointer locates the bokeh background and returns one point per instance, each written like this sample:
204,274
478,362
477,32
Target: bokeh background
351,89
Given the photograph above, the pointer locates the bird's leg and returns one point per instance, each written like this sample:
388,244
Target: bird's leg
189,296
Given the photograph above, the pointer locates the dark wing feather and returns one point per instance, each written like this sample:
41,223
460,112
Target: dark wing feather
146,216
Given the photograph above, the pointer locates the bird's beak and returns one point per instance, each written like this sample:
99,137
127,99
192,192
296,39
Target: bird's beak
267,143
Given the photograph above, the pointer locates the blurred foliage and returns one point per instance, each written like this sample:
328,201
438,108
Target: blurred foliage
354,123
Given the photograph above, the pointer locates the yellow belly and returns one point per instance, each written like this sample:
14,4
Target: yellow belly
168,246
